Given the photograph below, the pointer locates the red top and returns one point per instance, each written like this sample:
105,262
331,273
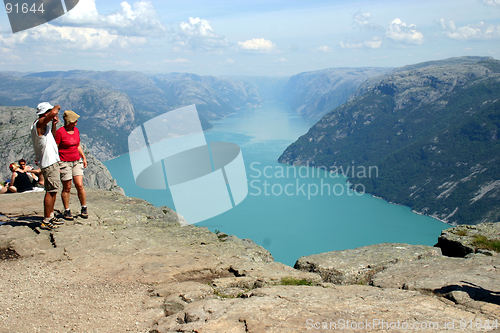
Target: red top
68,144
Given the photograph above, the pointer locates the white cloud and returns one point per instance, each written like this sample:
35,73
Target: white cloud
197,34
492,2
324,49
83,28
374,43
84,13
399,31
177,61
362,19
282,60
8,55
124,63
51,37
229,61
479,31
137,20
258,44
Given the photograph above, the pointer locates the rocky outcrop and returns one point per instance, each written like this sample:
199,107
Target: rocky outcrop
15,143
126,251
304,308
357,266
469,239
472,283
131,267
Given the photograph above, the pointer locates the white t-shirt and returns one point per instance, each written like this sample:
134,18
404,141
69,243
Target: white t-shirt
46,151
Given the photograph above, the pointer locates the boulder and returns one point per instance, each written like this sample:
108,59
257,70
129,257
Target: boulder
464,239
357,266
472,283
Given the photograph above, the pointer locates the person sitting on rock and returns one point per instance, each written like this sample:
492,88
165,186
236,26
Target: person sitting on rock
35,175
20,182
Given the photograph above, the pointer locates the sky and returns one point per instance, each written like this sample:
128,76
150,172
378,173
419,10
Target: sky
258,38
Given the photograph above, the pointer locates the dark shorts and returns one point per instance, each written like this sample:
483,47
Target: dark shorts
51,175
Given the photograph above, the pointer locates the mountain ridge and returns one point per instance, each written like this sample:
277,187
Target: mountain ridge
111,104
313,94
432,132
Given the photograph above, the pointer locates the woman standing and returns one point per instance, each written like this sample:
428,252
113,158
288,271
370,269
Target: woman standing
73,161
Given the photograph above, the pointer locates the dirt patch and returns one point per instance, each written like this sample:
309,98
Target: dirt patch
8,254
203,276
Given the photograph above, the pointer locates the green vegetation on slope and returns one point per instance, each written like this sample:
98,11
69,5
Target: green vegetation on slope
433,133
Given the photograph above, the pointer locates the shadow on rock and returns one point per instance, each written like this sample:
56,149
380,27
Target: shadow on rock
469,291
32,222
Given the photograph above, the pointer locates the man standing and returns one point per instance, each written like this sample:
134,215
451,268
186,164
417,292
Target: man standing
47,154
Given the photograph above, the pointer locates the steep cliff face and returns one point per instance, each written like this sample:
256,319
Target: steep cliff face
15,143
431,131
313,94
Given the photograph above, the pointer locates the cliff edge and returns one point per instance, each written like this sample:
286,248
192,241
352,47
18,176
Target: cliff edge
132,267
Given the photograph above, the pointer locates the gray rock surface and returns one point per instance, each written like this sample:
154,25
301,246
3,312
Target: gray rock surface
126,246
426,82
304,309
463,240
15,143
472,283
357,266
131,267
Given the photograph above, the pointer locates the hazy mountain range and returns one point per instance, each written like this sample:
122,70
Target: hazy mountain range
314,94
112,104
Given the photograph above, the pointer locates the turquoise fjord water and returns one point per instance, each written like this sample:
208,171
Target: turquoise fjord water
294,211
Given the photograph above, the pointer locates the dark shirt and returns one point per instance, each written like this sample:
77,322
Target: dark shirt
22,182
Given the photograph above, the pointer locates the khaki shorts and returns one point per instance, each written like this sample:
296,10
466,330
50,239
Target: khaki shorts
51,177
71,169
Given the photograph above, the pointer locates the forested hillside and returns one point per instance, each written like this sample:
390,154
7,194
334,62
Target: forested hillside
432,131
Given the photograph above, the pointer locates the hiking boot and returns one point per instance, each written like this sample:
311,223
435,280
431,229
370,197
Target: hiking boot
47,225
55,220
67,215
84,213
